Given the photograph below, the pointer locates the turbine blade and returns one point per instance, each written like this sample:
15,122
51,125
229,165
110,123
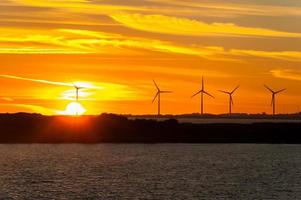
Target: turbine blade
235,89
79,88
155,97
208,94
202,83
280,91
156,85
165,91
196,93
223,91
268,88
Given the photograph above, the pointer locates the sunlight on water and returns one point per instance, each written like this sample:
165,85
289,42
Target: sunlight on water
160,171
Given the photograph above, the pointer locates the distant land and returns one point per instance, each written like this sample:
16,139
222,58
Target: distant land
36,128
233,116
241,118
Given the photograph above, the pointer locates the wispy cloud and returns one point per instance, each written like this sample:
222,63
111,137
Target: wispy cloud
76,41
234,9
287,74
79,41
85,85
36,80
280,55
185,26
28,50
6,98
82,6
186,7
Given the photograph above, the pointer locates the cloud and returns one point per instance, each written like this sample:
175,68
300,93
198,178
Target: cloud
6,98
187,7
93,34
287,74
85,85
234,9
36,80
294,56
81,6
77,41
184,26
22,50
6,3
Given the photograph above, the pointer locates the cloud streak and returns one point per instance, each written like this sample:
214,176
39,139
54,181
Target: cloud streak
36,80
294,56
287,74
75,41
184,26
235,9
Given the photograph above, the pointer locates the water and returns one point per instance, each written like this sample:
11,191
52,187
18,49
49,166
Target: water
150,171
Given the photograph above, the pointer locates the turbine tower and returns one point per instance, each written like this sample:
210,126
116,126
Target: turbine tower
202,92
158,95
273,102
230,98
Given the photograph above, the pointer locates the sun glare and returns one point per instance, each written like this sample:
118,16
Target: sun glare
75,108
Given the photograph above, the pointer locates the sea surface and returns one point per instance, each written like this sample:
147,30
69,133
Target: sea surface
150,171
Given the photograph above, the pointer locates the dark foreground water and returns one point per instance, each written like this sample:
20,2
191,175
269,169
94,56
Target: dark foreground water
158,171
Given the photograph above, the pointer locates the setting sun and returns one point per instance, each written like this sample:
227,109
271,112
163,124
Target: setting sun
75,108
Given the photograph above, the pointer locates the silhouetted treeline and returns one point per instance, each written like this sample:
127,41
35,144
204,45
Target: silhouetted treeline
35,128
292,116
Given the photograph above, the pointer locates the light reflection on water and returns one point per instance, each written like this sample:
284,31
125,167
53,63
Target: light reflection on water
150,171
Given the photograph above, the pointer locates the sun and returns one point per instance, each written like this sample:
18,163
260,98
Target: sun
75,108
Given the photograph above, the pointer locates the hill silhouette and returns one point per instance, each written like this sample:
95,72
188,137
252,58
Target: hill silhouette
36,128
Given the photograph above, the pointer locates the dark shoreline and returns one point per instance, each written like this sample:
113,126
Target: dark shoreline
108,128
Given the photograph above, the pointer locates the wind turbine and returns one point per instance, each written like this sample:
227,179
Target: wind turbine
230,98
158,95
202,92
77,88
273,103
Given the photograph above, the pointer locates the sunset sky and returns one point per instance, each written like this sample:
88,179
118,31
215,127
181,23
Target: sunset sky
116,47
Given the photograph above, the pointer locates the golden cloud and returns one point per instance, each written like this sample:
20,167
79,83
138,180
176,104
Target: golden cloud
184,26
232,9
75,41
286,74
84,6
281,55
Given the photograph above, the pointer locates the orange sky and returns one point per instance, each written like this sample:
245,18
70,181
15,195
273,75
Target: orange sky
117,47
